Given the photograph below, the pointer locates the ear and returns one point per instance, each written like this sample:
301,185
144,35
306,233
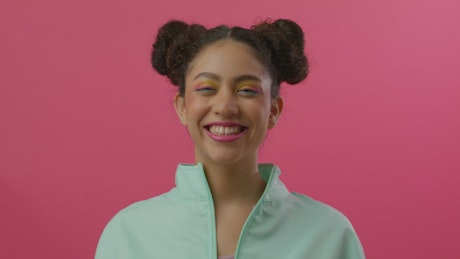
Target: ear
179,105
275,111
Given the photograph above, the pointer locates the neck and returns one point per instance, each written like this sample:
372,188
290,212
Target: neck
235,184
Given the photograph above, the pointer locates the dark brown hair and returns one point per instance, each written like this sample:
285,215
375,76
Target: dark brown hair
278,45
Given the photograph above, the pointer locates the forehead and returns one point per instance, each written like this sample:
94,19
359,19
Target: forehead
227,58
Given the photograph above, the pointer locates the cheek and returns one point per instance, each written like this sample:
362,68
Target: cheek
194,108
263,111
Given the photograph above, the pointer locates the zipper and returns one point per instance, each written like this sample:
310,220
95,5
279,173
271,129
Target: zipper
213,249
243,230
213,246
213,230
251,214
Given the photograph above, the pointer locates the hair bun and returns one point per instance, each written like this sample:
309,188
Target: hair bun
175,43
286,41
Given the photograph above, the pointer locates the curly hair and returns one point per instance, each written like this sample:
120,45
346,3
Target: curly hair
278,45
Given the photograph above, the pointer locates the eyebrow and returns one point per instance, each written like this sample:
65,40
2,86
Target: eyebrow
247,78
208,75
236,80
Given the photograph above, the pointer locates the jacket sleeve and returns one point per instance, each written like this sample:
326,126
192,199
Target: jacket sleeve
351,247
111,244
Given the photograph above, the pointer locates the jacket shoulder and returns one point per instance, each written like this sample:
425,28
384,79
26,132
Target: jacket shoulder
319,211
113,231
315,220
158,220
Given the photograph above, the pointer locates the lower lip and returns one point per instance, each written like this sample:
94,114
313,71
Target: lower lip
225,138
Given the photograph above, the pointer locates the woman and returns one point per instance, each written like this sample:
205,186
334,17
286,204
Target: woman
227,205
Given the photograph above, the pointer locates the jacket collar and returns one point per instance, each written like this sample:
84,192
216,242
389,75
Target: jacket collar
191,183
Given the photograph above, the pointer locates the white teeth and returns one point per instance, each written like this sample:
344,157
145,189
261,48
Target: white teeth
223,130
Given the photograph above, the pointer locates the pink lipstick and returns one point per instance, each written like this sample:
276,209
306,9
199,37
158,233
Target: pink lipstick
225,131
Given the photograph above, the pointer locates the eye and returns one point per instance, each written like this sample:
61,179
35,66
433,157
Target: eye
248,91
206,90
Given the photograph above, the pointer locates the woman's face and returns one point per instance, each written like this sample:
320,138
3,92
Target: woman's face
227,107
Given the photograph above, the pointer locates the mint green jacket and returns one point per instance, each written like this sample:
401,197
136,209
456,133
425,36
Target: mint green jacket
181,224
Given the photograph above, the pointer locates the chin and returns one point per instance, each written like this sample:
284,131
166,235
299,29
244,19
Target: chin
223,158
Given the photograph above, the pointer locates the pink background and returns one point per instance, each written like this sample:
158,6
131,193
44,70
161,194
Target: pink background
87,127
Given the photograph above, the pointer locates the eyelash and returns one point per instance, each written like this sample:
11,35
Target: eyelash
249,91
205,89
244,91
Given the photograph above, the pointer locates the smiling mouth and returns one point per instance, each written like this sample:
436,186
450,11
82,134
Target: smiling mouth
219,130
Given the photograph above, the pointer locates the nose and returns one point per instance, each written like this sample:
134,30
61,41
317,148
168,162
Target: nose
225,103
